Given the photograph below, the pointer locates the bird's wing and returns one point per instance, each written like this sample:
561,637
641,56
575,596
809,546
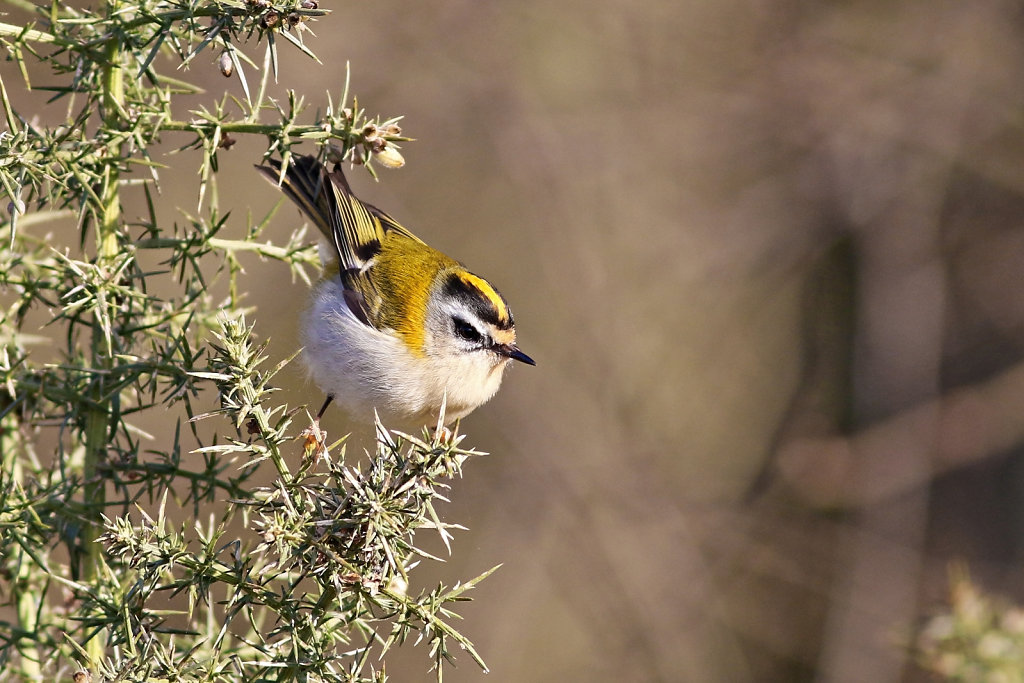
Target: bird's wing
355,228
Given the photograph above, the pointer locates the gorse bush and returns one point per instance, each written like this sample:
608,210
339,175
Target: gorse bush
975,638
304,579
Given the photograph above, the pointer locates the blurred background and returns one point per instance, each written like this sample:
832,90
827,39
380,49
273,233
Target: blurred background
769,257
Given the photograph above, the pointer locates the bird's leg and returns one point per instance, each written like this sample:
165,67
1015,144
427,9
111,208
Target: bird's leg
315,439
323,408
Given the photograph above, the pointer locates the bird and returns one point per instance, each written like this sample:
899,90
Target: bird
394,328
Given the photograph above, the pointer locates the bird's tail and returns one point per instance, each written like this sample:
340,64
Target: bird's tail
307,184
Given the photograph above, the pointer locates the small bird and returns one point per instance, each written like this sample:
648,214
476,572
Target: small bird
394,325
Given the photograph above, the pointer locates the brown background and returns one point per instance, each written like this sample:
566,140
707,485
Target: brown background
768,256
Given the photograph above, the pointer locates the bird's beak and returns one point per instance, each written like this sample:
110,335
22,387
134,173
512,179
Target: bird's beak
512,351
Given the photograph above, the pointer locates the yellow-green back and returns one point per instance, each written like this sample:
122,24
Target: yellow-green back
402,276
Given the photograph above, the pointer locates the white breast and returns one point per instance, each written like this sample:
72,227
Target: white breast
366,369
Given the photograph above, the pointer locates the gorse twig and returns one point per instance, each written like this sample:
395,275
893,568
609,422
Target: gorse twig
307,578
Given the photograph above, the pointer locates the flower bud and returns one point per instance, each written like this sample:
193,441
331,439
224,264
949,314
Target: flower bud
389,157
225,64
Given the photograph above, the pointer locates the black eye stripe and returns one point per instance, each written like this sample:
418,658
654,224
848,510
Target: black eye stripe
467,330
477,302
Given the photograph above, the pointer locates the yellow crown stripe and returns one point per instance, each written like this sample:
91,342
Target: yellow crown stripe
488,291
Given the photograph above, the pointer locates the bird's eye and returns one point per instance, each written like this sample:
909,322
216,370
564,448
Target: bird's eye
467,331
